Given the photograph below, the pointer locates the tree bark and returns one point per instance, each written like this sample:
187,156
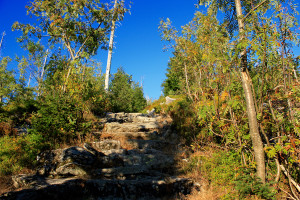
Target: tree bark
42,74
251,111
111,44
3,34
187,82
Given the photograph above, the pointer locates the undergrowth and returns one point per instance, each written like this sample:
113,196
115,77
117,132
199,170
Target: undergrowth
225,177
18,152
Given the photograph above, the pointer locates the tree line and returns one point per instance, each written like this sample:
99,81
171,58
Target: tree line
240,78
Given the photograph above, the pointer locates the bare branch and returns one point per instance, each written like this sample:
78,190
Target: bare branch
76,55
290,178
252,10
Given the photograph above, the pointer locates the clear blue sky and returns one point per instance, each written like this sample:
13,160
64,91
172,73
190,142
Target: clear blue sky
138,46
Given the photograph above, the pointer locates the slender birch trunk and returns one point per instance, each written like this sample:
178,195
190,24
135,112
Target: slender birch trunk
29,80
3,34
187,82
251,111
42,74
111,43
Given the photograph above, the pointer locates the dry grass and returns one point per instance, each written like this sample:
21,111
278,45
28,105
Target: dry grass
206,193
123,140
6,184
203,190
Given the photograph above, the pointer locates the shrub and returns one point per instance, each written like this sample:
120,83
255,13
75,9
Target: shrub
59,118
19,152
248,184
225,173
125,95
185,118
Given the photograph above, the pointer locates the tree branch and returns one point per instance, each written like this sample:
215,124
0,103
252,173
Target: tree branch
252,10
76,55
290,178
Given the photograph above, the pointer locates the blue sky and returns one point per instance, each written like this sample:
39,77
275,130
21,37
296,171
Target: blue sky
138,46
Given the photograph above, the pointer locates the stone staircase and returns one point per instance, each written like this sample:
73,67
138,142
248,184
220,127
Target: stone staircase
134,159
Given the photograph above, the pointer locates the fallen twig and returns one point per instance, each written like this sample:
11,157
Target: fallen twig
291,181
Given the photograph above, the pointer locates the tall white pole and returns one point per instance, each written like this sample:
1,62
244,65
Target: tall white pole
111,43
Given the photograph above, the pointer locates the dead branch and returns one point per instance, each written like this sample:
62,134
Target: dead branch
296,185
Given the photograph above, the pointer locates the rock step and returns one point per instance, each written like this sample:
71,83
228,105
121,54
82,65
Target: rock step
160,145
130,127
78,161
129,117
131,161
130,135
157,160
128,173
78,189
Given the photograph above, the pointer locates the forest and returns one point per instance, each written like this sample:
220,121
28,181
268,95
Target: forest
234,76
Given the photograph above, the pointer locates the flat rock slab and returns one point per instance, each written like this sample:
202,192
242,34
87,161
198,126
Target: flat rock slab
129,117
75,189
152,144
157,160
130,127
133,135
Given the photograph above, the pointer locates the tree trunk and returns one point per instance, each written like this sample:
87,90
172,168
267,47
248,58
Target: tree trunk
3,34
187,82
111,43
42,74
251,111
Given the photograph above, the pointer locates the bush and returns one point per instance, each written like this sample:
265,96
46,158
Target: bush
185,118
248,184
224,172
59,118
125,95
19,152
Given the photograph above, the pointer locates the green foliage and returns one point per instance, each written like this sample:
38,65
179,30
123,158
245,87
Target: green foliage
82,26
219,167
204,68
222,167
248,184
59,118
125,95
171,85
184,118
223,170
7,81
19,152
20,107
139,102
16,100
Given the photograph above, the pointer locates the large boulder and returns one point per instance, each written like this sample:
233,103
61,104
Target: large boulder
73,161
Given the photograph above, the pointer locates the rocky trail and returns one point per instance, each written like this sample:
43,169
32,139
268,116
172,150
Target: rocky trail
133,159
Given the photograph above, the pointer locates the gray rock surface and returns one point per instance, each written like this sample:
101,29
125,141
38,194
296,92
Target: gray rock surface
104,169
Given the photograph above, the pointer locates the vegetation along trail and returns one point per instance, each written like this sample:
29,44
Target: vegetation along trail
227,125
